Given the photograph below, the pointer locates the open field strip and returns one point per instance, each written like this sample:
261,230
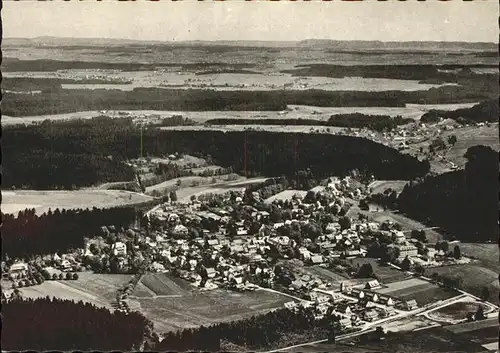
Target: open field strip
42,201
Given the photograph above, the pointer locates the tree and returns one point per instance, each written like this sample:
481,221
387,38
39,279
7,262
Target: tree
452,140
345,223
480,313
173,196
366,271
485,293
68,276
456,252
55,277
406,264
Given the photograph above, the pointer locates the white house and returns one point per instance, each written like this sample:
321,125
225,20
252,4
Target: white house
119,249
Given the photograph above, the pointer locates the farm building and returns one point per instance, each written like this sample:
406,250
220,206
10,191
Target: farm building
386,300
372,296
373,284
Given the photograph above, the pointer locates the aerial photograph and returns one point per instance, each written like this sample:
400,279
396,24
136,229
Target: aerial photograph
250,176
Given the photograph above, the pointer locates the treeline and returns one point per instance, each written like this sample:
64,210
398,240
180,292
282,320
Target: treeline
49,84
256,332
17,65
57,231
464,203
354,120
486,111
45,169
55,324
267,153
400,72
73,100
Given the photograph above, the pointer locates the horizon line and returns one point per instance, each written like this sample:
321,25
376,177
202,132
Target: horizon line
257,40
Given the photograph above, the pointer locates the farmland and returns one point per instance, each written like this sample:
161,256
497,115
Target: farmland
380,186
178,306
386,274
424,292
328,275
97,289
474,277
42,201
486,253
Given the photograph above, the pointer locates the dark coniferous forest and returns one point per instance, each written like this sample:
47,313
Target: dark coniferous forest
54,324
463,203
98,147
30,234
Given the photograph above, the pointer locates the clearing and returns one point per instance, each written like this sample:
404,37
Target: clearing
379,186
97,289
42,201
486,253
285,195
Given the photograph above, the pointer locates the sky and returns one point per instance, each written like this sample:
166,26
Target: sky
455,20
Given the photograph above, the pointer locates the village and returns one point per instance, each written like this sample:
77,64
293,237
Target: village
239,242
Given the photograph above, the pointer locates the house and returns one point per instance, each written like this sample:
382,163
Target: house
211,272
386,300
372,296
352,253
372,284
345,288
321,299
407,250
345,323
370,315
7,294
317,259
65,265
180,230
411,304
399,237
119,249
157,267
290,305
344,309
18,270
212,242
336,298
297,284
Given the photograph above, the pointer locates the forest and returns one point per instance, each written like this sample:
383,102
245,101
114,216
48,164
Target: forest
253,333
57,231
463,203
46,324
116,140
354,120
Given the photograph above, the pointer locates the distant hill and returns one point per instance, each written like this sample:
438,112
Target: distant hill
308,43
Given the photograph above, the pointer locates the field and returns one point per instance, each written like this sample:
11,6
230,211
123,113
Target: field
455,311
408,224
97,289
42,201
474,277
482,332
386,274
380,186
192,309
285,195
171,303
468,137
328,275
422,291
487,254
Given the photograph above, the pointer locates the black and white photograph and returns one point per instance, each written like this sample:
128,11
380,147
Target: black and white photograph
250,176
